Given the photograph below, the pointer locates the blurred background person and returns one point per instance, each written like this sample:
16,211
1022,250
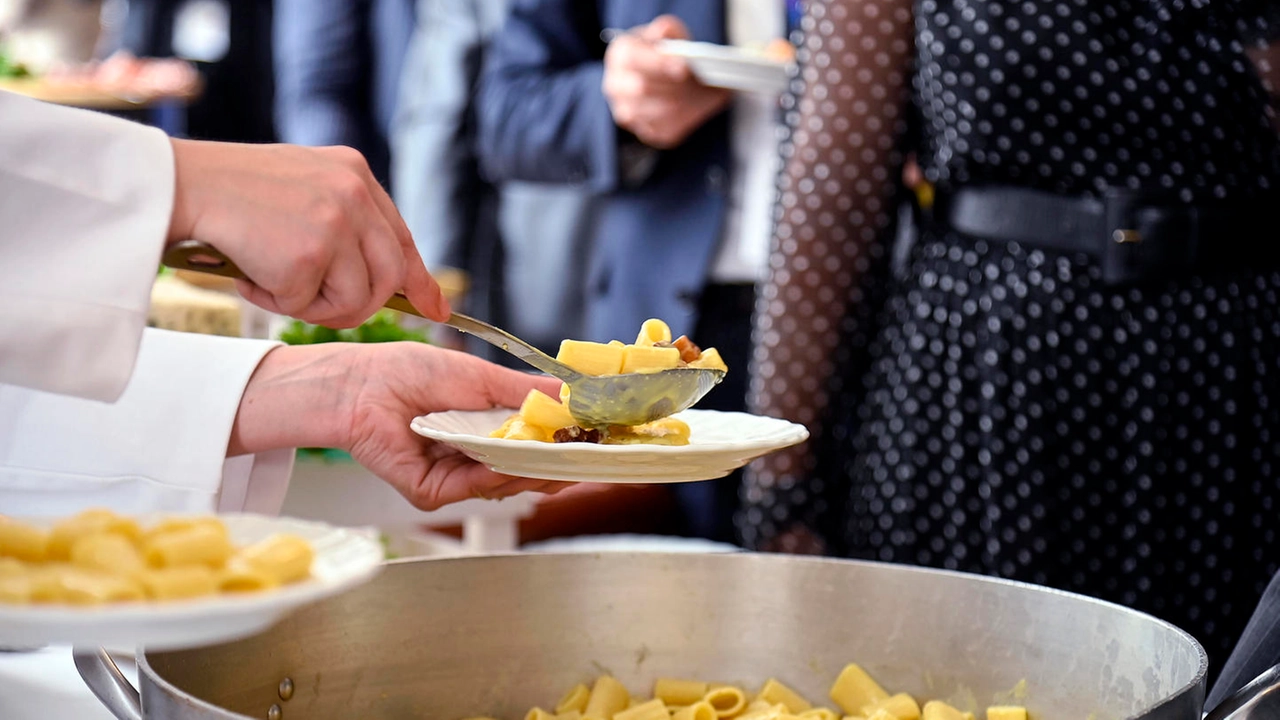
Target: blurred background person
685,188
523,245
1075,378
337,73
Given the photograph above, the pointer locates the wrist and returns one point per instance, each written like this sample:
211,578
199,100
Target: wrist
182,219
298,397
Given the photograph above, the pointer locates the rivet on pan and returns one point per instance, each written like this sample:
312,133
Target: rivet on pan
274,712
286,689
1125,237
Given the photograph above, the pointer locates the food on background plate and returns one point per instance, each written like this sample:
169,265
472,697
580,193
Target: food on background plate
855,695
780,49
99,557
545,419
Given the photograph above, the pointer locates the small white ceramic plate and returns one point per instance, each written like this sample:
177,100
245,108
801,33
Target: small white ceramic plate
345,558
719,443
734,68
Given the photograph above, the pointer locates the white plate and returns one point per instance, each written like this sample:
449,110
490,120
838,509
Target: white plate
719,443
345,557
730,67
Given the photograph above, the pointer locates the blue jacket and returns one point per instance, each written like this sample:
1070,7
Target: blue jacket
543,117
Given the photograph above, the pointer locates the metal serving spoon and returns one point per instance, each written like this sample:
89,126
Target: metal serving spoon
594,400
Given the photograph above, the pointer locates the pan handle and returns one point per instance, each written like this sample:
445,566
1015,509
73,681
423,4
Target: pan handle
1259,699
100,673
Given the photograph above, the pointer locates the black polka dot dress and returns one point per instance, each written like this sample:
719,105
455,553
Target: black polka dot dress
995,407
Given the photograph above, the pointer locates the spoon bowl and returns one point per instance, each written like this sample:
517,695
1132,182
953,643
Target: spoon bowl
594,400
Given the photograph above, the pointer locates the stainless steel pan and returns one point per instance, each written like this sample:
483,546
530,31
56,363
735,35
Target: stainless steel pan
497,635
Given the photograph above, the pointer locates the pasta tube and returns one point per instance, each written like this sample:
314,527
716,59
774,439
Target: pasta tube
17,587
727,700
538,714
700,710
938,710
653,331
902,706
196,544
174,583
22,541
239,577
89,522
1006,712
89,587
608,696
854,690
109,552
649,359
286,558
776,693
819,713
575,699
653,709
679,692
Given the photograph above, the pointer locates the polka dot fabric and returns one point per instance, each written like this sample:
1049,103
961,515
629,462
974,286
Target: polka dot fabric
994,407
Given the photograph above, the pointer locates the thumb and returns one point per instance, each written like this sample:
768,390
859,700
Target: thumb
665,27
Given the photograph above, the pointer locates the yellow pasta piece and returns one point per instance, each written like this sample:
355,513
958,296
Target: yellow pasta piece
518,429
653,709
569,715
17,588
762,710
22,541
901,706
574,700
538,714
1006,712
287,558
666,431
544,411
853,717
79,586
108,552
89,522
653,331
608,696
938,710
591,358
727,700
710,360
819,713
196,544
12,566
881,714
854,690
170,524
679,692
649,359
700,710
238,578
184,581
774,693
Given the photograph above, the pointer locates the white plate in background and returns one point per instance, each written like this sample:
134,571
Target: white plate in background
719,443
726,66
344,558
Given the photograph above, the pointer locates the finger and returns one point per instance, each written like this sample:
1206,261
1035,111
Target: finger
505,387
345,293
640,56
422,290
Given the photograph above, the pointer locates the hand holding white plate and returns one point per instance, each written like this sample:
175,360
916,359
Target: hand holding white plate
344,558
719,443
733,68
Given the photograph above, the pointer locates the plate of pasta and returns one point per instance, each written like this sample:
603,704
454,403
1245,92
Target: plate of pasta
165,581
689,446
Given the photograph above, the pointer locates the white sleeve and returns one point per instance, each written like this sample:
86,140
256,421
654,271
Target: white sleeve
85,204
160,447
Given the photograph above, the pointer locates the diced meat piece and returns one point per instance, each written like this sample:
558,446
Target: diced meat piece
578,434
688,351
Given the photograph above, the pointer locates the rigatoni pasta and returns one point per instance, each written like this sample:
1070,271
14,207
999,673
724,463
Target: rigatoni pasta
98,557
856,695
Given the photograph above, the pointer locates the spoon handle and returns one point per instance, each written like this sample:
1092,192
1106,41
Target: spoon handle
204,258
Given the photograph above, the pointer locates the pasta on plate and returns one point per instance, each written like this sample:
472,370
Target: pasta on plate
854,694
99,557
546,419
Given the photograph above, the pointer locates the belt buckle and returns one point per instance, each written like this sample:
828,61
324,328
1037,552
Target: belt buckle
1149,234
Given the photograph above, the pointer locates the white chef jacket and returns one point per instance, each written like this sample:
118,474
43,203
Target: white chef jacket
95,410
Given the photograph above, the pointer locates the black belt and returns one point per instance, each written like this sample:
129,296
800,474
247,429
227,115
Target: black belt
1134,235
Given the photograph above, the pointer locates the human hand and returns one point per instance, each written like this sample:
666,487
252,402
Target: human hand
317,236
361,398
652,95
